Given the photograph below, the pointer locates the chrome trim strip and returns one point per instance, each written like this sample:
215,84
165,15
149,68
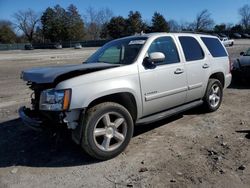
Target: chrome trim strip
190,87
166,93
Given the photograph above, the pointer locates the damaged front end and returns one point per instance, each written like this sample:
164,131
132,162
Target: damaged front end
49,108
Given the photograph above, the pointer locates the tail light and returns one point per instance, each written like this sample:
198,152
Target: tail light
230,64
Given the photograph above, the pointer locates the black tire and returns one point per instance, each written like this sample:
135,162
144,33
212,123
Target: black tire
208,104
93,118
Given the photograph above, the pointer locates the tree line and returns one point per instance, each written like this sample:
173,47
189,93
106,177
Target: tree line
57,24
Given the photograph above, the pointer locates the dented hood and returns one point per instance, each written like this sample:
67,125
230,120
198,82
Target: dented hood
51,74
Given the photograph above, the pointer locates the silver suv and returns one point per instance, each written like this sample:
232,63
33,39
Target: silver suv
129,81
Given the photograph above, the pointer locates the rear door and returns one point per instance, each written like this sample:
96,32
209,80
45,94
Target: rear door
164,86
197,67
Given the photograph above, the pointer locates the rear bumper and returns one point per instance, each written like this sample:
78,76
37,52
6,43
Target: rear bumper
29,119
228,80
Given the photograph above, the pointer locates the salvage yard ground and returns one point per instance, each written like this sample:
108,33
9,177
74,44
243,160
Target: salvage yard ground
194,149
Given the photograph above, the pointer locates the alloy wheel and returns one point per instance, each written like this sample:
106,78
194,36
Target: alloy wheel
215,96
110,131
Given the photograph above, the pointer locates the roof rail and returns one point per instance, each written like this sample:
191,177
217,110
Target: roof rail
194,32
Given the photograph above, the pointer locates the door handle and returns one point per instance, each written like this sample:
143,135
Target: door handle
205,66
178,71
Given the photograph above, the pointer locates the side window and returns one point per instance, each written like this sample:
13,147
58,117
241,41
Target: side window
214,46
191,48
167,46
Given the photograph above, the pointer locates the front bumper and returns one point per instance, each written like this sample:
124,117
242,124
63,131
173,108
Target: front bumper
29,118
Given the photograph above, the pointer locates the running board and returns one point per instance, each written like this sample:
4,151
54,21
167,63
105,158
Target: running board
168,113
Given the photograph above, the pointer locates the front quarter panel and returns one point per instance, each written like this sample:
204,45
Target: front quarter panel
87,88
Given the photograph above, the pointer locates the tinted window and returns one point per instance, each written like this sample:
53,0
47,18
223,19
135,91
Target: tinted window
247,52
191,48
214,46
167,46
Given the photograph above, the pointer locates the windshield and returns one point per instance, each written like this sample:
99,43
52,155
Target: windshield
247,52
123,51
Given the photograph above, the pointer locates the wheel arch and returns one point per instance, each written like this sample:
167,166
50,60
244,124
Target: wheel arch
125,99
219,76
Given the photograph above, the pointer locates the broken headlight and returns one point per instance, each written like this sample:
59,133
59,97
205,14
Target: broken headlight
55,100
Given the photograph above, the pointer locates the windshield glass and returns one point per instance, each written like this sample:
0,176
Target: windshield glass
247,52
123,51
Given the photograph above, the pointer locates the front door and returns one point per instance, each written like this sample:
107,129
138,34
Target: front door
165,85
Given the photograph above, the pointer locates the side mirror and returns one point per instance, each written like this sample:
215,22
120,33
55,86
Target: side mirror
242,53
156,57
148,64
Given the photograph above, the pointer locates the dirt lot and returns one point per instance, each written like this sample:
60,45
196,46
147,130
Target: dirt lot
189,150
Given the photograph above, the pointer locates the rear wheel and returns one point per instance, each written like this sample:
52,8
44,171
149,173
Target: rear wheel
107,130
213,97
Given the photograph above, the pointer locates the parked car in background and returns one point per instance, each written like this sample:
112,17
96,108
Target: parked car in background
129,81
28,47
58,46
236,35
241,66
222,35
78,46
227,42
245,35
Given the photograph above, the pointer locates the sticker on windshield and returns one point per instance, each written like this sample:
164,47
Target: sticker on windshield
133,42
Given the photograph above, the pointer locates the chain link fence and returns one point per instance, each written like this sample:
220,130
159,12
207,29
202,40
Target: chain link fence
66,44
18,46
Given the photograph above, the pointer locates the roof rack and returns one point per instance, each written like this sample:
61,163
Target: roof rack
193,32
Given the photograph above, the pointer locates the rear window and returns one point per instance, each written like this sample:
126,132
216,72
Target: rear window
214,46
191,48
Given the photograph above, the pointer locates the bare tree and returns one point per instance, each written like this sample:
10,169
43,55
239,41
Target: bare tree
203,21
174,26
26,21
185,26
244,12
95,20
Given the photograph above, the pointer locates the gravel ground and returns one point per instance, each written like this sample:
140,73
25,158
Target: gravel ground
193,149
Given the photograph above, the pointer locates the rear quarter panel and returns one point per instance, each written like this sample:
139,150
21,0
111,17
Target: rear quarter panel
218,64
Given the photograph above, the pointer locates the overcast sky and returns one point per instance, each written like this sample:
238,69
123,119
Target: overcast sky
223,11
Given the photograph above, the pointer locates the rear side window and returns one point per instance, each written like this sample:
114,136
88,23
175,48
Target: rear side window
191,48
214,46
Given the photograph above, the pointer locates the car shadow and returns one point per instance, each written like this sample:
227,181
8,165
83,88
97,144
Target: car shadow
22,146
143,128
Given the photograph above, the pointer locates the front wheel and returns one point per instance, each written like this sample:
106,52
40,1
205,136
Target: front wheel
107,130
213,96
